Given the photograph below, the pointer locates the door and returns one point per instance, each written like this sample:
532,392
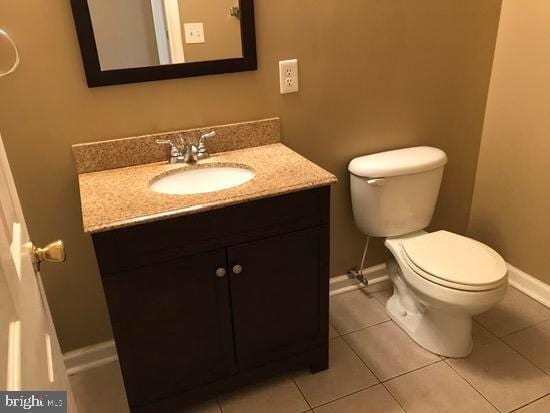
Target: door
30,357
275,291
172,325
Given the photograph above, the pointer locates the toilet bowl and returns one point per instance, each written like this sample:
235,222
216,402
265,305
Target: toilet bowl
436,295
441,279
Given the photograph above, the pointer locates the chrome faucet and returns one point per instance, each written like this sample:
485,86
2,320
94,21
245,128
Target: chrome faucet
175,152
202,150
181,152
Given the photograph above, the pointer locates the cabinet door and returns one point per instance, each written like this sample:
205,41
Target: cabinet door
277,298
172,325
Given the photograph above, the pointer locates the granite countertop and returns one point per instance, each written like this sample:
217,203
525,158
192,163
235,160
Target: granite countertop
121,197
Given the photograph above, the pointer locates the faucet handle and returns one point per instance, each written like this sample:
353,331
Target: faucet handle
201,147
165,142
175,153
206,136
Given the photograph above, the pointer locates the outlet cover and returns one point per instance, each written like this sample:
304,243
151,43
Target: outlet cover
288,76
194,32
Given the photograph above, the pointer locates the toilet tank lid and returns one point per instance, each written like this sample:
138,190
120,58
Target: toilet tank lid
398,162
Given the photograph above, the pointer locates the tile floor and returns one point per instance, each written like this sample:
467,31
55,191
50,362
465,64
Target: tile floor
376,368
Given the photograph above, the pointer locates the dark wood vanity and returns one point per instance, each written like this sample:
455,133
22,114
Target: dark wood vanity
203,303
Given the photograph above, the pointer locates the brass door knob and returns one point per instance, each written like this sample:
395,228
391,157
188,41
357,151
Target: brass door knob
53,252
237,269
220,272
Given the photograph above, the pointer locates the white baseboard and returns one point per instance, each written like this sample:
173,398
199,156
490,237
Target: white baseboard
378,281
529,285
87,358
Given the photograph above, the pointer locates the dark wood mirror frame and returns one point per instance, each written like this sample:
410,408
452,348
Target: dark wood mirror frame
97,77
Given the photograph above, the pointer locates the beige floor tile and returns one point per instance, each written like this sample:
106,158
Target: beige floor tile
515,312
388,350
437,388
540,406
346,374
480,335
332,333
355,310
534,344
383,296
100,390
211,406
279,395
375,399
505,378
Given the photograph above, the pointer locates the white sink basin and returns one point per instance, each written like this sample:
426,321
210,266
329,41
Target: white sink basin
207,178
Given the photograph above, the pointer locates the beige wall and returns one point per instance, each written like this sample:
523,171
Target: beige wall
511,205
375,75
124,33
222,31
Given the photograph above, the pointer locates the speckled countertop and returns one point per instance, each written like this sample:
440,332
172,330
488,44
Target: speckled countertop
122,197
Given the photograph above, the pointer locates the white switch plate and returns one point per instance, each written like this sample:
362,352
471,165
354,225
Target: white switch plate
288,76
194,32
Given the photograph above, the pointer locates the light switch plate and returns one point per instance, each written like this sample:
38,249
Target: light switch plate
288,76
194,32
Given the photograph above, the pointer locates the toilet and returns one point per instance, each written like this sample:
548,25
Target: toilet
440,279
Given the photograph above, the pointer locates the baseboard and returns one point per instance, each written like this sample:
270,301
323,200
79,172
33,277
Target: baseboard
529,285
379,280
87,358
377,276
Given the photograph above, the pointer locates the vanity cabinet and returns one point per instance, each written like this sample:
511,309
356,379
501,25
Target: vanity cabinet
275,299
203,303
172,323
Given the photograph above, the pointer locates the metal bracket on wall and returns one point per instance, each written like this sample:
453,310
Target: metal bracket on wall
235,12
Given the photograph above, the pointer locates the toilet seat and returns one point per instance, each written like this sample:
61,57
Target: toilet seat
454,261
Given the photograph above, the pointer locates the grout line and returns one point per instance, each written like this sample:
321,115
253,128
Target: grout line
220,407
363,328
522,356
301,393
413,370
361,359
470,384
384,382
394,397
531,402
334,328
347,395
521,329
474,321
393,377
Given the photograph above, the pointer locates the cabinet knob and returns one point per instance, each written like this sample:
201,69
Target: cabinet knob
237,269
220,272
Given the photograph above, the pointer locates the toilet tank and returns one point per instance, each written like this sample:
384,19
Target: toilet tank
394,193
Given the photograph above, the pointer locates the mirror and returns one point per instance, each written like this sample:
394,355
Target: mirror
127,41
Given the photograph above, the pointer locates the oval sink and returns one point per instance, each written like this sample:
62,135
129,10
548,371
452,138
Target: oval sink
207,178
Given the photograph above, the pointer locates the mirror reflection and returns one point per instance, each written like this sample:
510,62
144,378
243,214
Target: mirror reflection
141,33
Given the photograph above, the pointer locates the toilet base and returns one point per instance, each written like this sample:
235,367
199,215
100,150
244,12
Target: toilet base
443,333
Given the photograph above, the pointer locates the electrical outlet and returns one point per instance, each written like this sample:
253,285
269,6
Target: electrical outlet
194,32
288,76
